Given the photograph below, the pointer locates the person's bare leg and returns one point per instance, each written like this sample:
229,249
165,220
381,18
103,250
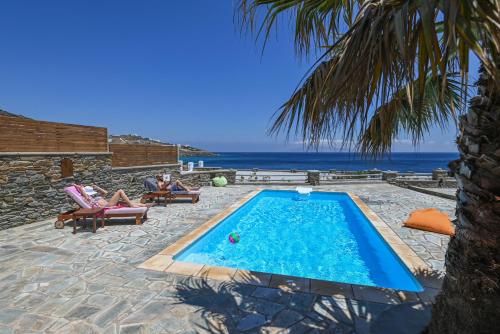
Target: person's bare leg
114,199
182,186
120,194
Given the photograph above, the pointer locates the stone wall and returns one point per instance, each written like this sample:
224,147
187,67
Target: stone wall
439,173
444,183
205,168
313,177
31,184
389,175
204,178
429,191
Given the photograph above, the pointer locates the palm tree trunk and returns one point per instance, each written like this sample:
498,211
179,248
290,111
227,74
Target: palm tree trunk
470,298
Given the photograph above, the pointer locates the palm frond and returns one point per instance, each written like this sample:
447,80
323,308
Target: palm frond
413,119
385,51
316,22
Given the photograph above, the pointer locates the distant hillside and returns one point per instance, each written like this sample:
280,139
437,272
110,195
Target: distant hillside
6,113
185,150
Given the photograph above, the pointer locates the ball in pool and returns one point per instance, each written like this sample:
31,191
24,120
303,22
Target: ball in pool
234,237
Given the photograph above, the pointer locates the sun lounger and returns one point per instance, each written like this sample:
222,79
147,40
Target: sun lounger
194,195
140,214
168,195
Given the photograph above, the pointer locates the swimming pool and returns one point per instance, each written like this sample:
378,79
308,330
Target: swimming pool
324,237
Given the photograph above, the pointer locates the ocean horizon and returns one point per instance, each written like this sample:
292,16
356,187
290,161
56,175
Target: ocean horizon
421,162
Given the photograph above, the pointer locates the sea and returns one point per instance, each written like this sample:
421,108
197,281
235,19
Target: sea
417,162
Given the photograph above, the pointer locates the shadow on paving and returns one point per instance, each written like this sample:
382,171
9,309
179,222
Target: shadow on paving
233,308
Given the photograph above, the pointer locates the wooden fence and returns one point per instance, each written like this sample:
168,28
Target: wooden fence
25,135
128,155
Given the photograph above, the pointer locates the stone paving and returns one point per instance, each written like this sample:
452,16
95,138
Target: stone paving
52,281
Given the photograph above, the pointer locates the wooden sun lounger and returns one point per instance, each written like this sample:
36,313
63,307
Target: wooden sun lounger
169,196
69,215
140,214
195,197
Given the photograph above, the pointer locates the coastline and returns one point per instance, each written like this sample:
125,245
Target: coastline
200,154
332,161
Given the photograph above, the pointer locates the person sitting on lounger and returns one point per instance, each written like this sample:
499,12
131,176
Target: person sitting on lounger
94,195
171,185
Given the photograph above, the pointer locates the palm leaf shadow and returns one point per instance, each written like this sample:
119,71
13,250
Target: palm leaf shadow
223,305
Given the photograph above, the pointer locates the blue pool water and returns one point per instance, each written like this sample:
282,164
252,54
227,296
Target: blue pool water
325,237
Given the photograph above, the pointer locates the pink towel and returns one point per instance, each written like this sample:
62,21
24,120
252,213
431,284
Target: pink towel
117,206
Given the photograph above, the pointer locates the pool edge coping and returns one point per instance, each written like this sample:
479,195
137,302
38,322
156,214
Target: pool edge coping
163,261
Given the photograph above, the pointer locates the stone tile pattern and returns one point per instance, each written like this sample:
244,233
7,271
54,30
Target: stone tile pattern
31,185
52,281
393,205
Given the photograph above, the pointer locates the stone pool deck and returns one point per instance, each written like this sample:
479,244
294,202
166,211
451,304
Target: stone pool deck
52,281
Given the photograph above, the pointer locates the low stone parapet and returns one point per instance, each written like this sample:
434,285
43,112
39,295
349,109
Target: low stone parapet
438,174
389,175
313,177
206,168
444,183
430,191
200,178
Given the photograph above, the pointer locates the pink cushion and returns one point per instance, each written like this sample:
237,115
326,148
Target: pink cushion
133,211
73,192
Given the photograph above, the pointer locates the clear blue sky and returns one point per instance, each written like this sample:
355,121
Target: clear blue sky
178,71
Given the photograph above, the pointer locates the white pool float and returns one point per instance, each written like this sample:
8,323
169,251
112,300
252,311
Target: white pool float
303,190
303,193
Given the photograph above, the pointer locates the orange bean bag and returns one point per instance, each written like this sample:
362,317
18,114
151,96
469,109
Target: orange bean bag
431,220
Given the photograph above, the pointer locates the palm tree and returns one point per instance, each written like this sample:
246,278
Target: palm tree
391,67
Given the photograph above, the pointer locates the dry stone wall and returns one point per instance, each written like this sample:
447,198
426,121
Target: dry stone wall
200,178
31,184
